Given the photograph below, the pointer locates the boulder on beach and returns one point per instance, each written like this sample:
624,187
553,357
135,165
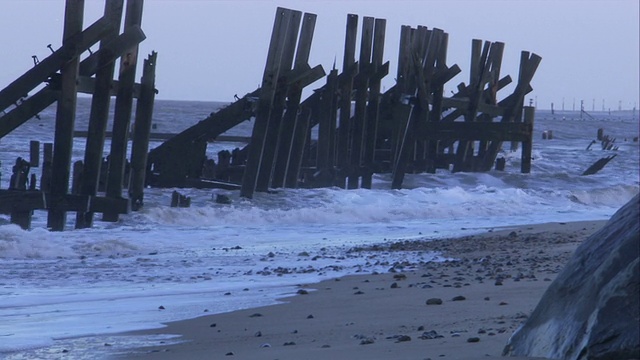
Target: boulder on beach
592,309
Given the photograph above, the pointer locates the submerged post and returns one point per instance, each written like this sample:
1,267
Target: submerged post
122,115
141,132
527,145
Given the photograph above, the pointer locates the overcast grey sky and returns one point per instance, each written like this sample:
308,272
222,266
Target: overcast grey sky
211,50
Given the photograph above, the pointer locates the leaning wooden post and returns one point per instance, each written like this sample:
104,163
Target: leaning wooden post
279,103
99,115
294,94
529,115
122,113
265,103
142,131
65,119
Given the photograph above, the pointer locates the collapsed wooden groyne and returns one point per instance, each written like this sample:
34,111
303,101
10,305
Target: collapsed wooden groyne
340,135
409,128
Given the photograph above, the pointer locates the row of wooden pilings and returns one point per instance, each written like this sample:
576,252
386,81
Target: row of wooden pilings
64,76
410,128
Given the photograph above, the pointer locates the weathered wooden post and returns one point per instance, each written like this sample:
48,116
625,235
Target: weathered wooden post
327,116
265,103
527,145
34,153
141,132
99,115
287,127
275,117
361,85
349,71
122,113
65,119
371,125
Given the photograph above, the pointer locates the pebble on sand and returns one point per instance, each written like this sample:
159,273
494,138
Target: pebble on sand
434,301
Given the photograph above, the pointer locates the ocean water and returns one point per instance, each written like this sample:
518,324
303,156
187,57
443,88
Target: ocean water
69,292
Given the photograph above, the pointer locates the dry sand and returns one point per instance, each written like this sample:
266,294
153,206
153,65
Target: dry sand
490,286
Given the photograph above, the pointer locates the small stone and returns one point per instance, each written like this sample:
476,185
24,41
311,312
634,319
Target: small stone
289,343
473,339
358,292
428,335
513,234
503,303
367,341
325,346
310,316
160,307
482,331
255,315
459,298
394,285
403,338
303,292
487,298
498,282
434,301
400,276
258,334
213,325
230,353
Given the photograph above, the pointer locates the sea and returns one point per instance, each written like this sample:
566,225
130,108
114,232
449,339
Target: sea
71,293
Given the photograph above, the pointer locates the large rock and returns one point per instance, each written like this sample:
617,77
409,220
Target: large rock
592,309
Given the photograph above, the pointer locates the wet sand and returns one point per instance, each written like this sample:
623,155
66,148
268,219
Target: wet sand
462,308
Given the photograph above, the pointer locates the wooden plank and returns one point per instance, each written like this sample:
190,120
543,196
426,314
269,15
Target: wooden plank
265,102
371,125
297,148
72,47
34,153
47,95
280,100
470,131
99,113
27,110
141,131
327,114
122,111
287,128
349,70
361,85
527,144
65,117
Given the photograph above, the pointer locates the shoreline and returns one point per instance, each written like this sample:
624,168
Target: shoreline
495,281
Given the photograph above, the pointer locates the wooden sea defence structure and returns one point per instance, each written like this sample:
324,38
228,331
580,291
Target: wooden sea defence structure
359,130
64,75
340,135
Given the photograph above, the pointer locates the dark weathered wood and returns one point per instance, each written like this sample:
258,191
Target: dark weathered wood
65,117
327,116
50,93
141,131
47,162
72,46
34,153
99,113
287,128
527,144
361,85
265,102
122,111
371,125
346,84
300,139
275,117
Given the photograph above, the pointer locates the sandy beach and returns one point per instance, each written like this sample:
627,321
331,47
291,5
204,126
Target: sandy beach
463,308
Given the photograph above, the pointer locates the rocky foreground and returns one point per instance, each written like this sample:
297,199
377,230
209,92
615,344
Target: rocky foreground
466,307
